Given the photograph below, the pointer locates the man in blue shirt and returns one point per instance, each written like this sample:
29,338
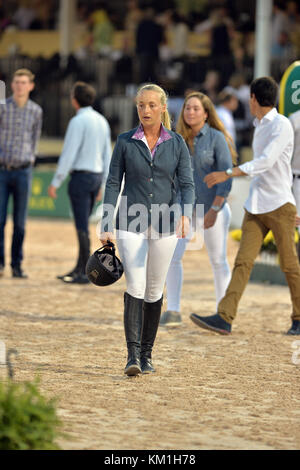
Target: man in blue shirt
20,129
85,156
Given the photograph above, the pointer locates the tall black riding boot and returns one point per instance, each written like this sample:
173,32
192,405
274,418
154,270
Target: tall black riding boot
133,314
83,256
151,319
84,251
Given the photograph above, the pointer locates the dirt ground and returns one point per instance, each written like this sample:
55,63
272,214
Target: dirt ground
209,391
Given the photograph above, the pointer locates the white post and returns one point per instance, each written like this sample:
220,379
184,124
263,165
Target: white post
262,65
66,26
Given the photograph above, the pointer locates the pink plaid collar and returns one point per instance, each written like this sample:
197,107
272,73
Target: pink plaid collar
164,136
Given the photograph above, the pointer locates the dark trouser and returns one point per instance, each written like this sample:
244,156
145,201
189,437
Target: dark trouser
83,189
255,227
18,184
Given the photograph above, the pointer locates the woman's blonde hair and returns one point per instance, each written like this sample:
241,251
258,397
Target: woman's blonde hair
212,119
165,118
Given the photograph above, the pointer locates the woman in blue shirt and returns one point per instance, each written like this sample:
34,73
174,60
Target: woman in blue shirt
211,149
149,158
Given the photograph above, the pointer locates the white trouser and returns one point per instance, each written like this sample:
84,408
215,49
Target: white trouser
146,262
215,240
296,191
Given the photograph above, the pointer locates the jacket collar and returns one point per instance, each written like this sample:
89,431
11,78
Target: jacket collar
164,134
139,136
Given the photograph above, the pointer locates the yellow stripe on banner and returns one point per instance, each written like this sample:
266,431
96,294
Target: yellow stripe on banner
283,85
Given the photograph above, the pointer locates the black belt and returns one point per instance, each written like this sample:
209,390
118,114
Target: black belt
85,171
296,176
12,168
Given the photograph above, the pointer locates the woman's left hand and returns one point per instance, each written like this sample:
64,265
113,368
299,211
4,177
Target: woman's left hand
210,218
183,227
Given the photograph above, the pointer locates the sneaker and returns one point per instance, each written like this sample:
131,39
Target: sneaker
213,323
19,273
170,318
295,328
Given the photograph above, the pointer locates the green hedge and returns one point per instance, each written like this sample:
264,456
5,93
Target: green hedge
28,420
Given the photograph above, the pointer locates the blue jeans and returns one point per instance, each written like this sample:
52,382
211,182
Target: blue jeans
83,189
18,184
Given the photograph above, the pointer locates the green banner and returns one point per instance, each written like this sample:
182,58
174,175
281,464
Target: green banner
40,204
289,101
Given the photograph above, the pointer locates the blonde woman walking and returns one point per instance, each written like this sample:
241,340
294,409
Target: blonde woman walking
149,157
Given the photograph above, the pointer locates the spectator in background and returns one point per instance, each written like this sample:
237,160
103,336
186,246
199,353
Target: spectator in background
132,19
284,50
5,19
44,18
292,10
283,54
20,129
222,32
86,156
102,30
241,89
179,35
221,28
244,58
228,103
210,86
280,22
25,15
215,16
221,54
149,36
242,117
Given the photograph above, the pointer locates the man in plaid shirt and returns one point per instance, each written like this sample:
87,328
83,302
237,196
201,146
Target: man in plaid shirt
20,129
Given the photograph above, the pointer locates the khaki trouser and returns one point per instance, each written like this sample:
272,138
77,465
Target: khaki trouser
255,227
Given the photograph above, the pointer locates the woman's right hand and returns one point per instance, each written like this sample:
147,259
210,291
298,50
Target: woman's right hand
106,237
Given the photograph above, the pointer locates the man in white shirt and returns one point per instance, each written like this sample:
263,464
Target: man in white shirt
85,156
270,206
295,120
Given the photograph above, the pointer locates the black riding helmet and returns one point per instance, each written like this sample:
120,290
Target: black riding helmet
104,267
